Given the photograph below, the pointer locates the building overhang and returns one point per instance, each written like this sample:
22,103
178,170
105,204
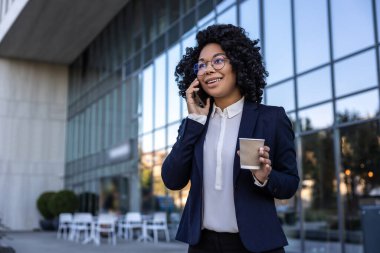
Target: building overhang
53,31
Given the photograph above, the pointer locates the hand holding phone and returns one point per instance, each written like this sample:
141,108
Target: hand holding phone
200,97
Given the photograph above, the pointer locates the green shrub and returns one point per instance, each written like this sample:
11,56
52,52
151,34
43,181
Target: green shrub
64,201
43,205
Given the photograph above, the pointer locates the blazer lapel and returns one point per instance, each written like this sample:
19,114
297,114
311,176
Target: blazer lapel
247,126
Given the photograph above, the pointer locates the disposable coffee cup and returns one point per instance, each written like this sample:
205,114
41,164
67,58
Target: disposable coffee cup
249,153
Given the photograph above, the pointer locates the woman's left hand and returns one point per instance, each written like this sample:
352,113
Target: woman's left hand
265,165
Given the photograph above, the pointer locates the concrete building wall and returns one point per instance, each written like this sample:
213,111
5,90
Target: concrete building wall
33,102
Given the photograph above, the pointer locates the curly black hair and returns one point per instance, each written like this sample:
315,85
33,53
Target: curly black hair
242,52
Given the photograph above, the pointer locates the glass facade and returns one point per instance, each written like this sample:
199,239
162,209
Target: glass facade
124,108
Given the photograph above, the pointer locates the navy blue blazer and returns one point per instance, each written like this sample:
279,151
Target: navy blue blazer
259,227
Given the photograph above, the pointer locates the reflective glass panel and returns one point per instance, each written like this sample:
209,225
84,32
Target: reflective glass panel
281,95
228,17
159,139
160,91
223,5
314,87
356,73
311,34
174,99
360,177
278,40
188,42
316,117
352,24
362,106
147,96
172,134
319,193
250,18
147,143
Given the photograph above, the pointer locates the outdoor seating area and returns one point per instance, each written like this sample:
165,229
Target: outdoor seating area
133,226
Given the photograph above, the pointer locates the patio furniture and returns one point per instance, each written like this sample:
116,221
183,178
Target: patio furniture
82,222
131,221
105,225
159,222
64,225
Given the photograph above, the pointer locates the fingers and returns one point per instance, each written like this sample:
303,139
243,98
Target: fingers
191,89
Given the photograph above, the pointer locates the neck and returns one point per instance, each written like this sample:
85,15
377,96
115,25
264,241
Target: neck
224,102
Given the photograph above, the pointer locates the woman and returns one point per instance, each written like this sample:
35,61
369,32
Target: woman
229,209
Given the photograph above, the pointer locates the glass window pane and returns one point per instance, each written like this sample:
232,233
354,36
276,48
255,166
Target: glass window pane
205,12
378,17
223,5
174,98
314,87
360,175
188,42
311,34
147,99
159,139
250,18
319,193
362,106
316,117
228,17
355,73
160,90
278,40
281,95
172,134
352,25
147,143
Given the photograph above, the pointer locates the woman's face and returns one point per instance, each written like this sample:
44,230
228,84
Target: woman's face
218,83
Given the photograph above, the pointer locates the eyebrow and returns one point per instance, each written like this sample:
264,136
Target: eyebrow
215,55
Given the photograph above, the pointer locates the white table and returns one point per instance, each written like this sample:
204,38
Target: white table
144,236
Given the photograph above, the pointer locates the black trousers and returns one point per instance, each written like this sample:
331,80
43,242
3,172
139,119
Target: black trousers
215,242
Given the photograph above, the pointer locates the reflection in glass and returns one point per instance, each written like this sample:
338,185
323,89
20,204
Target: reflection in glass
316,117
362,106
159,139
311,34
352,24
147,123
319,193
278,40
360,175
355,73
228,17
172,134
160,90
281,95
250,18
174,99
314,87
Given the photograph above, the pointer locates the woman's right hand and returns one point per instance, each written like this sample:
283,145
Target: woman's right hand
192,106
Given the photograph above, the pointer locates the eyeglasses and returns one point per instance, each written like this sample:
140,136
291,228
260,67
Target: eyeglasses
217,63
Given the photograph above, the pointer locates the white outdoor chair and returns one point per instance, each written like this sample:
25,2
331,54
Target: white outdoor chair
64,225
131,221
159,222
82,222
106,224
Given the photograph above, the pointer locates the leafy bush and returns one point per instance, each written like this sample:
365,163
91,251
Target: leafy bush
43,205
64,201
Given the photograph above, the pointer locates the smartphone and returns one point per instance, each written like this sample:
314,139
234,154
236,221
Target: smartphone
200,97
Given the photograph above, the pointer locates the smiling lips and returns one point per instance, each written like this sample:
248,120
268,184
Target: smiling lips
212,81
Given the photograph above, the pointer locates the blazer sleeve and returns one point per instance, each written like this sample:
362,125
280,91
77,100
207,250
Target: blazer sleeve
283,180
176,169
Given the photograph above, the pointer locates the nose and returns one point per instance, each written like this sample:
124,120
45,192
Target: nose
209,68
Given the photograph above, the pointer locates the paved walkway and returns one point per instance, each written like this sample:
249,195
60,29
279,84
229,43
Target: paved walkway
47,242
